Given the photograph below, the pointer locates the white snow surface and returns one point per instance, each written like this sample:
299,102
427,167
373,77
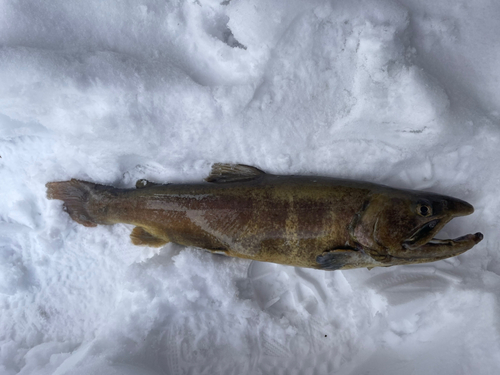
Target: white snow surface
404,93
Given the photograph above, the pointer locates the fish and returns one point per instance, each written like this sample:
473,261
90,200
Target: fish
304,221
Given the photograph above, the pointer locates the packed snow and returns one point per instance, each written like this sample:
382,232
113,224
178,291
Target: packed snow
404,93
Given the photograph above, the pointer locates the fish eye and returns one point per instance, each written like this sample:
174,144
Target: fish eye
424,210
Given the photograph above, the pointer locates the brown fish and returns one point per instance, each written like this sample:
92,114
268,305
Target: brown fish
302,221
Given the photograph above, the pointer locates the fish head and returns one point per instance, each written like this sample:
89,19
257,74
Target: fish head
399,226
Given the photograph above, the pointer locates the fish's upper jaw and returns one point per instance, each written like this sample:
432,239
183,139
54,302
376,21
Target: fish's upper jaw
457,207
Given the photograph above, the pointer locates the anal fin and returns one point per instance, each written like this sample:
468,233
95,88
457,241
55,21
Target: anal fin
141,237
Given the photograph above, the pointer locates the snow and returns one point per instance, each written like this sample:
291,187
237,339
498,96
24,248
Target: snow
404,93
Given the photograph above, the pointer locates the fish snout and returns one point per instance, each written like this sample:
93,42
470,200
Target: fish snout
457,207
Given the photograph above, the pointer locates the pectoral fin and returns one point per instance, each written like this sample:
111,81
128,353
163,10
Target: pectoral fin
335,259
346,258
141,237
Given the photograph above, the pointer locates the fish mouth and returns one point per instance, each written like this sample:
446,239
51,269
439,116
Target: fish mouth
423,234
440,249
422,246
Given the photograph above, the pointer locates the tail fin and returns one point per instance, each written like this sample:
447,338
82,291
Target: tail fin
77,196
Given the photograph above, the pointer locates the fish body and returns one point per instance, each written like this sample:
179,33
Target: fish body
303,221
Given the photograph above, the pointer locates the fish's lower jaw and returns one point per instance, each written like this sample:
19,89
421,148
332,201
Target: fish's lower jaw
437,249
478,237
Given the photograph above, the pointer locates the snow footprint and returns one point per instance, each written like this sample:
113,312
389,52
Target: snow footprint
185,351
297,296
406,285
283,290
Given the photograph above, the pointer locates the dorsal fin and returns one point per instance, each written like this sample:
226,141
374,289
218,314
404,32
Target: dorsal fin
222,172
